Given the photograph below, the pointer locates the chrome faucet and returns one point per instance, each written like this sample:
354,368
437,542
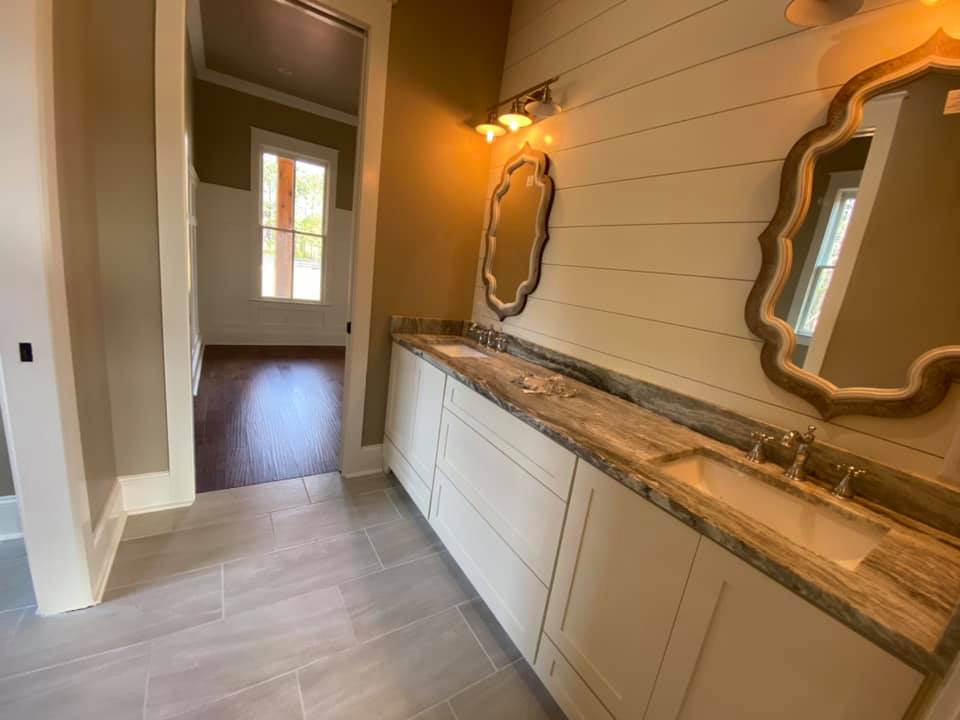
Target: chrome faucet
802,442
758,453
844,488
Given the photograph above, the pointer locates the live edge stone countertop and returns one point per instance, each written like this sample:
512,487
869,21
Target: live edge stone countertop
902,596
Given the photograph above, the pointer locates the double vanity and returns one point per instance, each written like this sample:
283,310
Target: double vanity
649,571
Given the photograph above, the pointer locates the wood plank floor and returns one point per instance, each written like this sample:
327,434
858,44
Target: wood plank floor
267,413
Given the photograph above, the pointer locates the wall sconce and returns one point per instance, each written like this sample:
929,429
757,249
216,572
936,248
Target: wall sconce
516,118
490,128
535,103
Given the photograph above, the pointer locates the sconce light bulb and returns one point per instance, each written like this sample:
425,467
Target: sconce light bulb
489,136
490,130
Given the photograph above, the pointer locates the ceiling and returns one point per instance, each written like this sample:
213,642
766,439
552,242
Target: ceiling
285,47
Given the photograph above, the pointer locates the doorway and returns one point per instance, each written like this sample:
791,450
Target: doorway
274,130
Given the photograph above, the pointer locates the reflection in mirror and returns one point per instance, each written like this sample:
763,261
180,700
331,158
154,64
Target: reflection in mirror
518,231
874,281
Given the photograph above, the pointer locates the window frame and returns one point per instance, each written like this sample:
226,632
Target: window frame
263,141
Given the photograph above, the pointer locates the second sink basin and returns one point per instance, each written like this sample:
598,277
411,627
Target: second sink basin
842,540
459,350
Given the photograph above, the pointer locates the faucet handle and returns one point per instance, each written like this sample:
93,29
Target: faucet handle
844,488
757,453
811,434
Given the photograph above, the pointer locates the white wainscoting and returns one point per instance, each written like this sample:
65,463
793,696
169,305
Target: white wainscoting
230,311
10,528
678,114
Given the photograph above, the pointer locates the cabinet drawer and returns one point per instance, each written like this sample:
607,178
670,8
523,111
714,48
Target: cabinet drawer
566,687
514,594
540,456
415,487
523,511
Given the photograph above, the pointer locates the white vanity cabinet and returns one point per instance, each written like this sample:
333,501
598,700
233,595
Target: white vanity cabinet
662,624
498,505
745,648
620,576
414,408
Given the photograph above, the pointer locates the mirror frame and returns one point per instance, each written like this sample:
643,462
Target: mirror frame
543,181
931,374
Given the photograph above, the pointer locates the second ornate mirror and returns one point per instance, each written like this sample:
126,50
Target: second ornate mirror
858,298
519,211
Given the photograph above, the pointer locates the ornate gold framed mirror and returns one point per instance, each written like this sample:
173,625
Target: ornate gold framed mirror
517,234
858,296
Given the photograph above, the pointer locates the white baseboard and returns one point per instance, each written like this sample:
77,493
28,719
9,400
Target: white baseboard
149,492
10,528
274,335
370,462
106,540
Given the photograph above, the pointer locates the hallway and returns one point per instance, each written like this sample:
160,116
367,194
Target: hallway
306,598
267,413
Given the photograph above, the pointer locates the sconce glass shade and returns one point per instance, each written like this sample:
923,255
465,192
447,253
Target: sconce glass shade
813,13
545,107
491,130
516,118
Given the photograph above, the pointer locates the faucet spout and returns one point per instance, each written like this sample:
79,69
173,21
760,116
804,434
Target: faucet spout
802,443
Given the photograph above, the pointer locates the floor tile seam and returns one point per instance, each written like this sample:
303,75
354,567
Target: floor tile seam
233,693
91,656
356,644
475,636
349,495
374,548
362,643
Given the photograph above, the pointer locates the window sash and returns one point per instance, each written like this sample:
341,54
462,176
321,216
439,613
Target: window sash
292,231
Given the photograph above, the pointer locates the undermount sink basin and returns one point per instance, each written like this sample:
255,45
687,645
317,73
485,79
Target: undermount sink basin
842,540
459,350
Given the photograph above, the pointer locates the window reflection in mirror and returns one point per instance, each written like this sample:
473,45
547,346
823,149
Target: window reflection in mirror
875,276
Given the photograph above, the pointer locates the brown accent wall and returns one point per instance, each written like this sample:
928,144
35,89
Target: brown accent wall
222,121
75,116
444,66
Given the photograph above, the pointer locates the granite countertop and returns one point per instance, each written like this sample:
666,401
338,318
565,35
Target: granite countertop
903,595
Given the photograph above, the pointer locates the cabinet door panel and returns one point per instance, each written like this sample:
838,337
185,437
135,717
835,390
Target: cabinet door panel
514,594
401,398
428,407
415,487
746,648
566,687
522,510
620,577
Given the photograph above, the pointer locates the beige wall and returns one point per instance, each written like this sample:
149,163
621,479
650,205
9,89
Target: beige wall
122,39
74,68
444,66
908,264
222,122
667,161
6,476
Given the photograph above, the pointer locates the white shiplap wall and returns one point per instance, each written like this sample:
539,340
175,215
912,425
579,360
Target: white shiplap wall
678,114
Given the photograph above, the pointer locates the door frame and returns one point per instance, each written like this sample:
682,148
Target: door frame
172,188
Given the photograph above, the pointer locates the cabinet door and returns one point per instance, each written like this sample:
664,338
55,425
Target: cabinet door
400,394
620,577
425,424
513,593
746,648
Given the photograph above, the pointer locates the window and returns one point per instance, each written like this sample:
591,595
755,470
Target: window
826,263
293,225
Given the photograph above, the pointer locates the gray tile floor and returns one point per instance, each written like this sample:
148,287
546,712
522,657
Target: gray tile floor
305,599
